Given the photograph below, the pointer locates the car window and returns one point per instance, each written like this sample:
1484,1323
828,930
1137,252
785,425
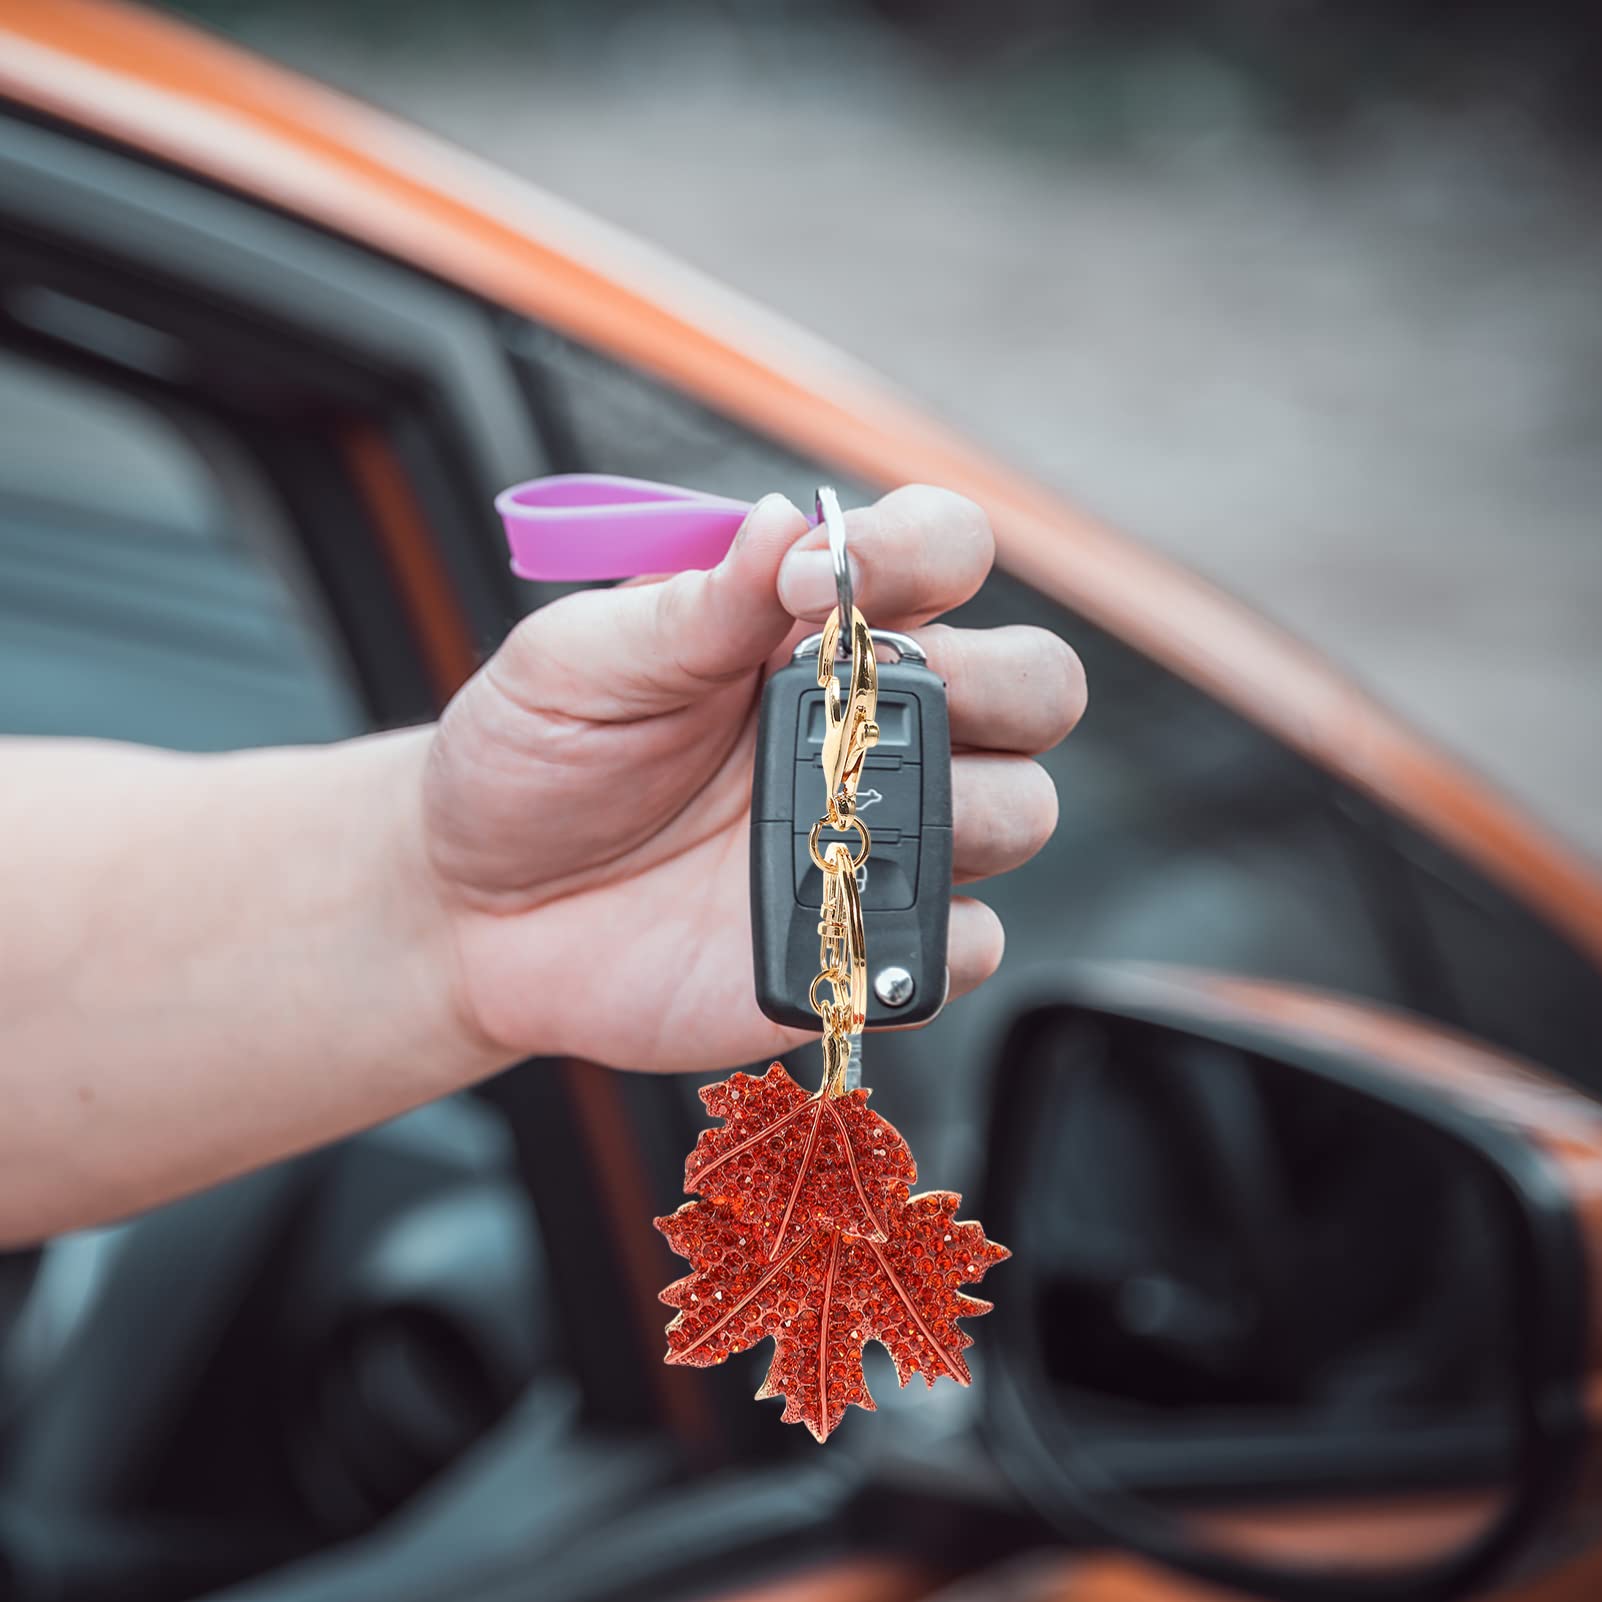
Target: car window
148,590
598,416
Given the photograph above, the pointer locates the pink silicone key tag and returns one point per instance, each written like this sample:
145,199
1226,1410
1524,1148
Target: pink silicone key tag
572,527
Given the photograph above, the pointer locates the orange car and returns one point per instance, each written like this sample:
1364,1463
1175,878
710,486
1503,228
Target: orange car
266,356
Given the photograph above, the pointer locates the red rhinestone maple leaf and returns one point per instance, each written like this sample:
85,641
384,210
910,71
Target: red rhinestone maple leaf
785,1160
806,1233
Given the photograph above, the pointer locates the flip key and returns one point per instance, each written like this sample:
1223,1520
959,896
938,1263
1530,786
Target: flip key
903,799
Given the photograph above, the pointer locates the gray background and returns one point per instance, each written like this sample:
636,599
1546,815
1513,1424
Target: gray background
1307,301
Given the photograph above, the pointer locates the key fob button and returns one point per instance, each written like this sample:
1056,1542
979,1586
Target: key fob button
888,880
889,798
897,717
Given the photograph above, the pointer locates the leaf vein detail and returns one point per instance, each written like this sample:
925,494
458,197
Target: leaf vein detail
750,1141
800,1180
754,1291
856,1178
952,1368
823,1337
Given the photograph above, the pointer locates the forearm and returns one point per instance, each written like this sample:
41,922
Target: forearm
207,963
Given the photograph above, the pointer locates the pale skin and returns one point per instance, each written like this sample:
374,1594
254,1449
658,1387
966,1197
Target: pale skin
209,963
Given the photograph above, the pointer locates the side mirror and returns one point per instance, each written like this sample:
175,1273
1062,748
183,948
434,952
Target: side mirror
1306,1296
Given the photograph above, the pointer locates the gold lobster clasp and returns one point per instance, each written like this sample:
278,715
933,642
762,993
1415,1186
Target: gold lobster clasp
843,955
842,946
850,731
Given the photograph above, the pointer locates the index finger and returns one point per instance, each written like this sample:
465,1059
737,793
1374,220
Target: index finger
915,553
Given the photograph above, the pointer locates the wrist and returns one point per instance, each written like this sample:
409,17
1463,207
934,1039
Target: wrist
411,920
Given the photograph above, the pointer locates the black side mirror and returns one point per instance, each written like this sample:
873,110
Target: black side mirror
1306,1296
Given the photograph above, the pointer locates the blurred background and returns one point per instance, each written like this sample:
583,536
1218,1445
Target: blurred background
1305,294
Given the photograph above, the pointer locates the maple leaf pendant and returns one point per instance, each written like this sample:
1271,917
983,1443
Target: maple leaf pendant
805,1232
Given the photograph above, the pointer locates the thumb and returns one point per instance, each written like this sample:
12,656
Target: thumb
664,644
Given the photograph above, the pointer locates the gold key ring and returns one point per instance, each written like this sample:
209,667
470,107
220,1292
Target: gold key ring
850,822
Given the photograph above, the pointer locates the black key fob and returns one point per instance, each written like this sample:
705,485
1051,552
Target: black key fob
904,799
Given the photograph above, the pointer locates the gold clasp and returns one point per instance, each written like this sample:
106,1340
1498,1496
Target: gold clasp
843,958
850,731
844,944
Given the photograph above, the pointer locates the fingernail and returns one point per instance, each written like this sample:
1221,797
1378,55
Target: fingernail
806,582
771,511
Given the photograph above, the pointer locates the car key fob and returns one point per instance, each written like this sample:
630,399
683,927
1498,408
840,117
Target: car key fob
904,800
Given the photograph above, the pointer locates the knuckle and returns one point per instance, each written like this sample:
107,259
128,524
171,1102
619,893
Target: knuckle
533,638
528,644
675,604
530,667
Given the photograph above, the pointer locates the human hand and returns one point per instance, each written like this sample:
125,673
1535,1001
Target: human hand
586,797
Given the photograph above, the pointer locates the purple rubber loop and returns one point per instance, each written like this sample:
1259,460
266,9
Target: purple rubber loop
572,527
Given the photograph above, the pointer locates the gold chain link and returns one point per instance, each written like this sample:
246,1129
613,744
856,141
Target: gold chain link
849,733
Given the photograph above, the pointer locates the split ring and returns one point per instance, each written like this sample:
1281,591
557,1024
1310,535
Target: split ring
833,519
853,822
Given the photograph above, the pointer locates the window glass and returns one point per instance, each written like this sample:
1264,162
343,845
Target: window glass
600,417
146,592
